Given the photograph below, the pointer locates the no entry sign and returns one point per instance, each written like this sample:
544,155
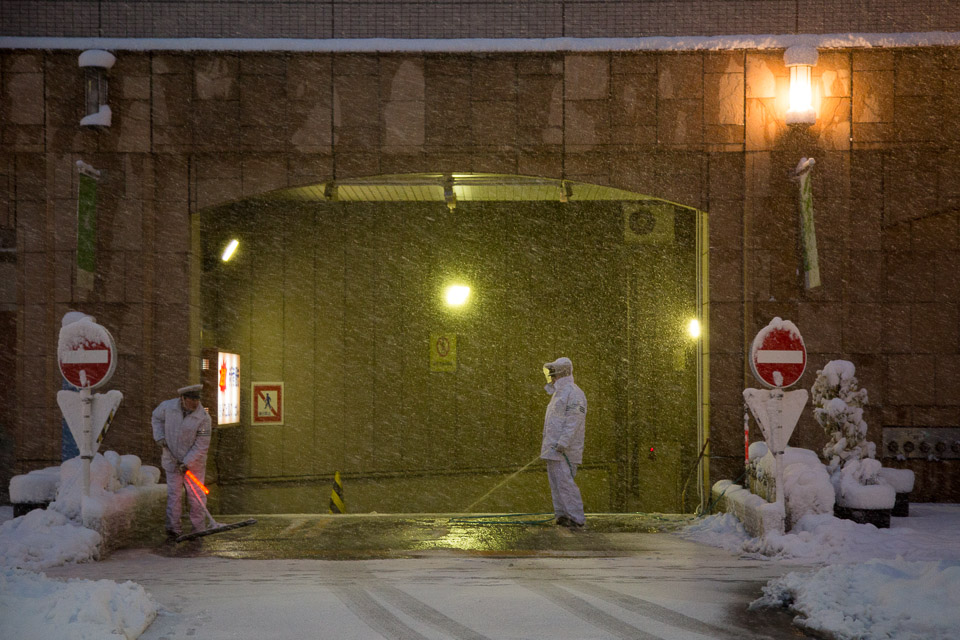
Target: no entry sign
778,356
86,354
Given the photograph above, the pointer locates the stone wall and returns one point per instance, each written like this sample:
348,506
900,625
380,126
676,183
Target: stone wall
467,18
193,130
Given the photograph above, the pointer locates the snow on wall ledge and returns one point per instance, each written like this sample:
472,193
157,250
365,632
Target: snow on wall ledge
503,45
758,516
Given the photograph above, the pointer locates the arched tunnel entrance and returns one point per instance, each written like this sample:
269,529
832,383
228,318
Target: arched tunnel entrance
337,292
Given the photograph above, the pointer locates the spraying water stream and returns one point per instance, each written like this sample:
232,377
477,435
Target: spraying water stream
505,481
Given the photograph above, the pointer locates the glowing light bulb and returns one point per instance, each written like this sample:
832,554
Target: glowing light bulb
457,295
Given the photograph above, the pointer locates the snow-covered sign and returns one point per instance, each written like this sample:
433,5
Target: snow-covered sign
102,410
777,413
778,356
86,354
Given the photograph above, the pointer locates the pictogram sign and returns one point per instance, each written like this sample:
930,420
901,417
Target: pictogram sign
267,403
443,352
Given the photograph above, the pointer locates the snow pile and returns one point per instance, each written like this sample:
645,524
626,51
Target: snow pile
33,607
45,538
877,599
902,582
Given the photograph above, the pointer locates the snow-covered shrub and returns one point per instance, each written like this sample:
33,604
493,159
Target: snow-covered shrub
838,408
854,471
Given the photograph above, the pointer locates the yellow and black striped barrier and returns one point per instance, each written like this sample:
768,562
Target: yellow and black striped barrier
336,495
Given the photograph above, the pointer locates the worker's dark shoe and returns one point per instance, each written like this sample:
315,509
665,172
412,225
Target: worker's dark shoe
570,524
172,535
564,521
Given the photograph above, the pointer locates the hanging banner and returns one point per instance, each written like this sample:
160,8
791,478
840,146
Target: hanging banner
86,227
808,233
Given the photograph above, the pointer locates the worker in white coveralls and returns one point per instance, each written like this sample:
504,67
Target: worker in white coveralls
563,431
181,427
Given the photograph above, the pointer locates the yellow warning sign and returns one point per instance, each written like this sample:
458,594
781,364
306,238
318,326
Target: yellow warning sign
443,352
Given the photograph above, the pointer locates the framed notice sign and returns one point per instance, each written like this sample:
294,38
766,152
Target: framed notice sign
266,404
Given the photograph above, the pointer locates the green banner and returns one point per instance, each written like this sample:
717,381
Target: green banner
811,263
86,232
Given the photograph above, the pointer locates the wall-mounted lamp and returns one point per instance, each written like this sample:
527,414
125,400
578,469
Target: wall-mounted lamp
95,63
457,295
448,195
230,249
693,328
801,59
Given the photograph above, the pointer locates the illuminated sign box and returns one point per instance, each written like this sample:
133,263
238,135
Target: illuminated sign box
228,388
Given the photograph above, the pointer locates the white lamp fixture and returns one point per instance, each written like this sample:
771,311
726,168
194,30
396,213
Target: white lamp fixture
801,59
230,249
95,63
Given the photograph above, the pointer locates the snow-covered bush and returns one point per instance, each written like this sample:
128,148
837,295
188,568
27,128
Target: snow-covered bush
850,457
838,408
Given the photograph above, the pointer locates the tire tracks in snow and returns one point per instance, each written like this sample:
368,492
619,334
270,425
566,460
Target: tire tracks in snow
365,599
656,612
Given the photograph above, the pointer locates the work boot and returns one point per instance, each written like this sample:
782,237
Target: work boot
172,535
564,521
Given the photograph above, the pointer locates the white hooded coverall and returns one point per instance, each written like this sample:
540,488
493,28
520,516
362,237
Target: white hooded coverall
188,440
564,424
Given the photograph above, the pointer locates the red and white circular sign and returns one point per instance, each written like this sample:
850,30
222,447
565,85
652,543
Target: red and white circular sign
778,356
86,354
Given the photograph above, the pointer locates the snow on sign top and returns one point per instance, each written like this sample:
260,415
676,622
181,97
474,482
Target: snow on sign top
86,354
778,356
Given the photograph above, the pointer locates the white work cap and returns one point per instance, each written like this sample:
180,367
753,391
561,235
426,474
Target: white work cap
190,391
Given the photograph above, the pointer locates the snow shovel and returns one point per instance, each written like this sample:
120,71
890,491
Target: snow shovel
194,484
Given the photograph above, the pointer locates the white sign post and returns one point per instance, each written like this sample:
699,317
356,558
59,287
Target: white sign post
87,358
778,358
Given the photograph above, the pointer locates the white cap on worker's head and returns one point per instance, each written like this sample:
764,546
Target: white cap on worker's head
560,367
190,391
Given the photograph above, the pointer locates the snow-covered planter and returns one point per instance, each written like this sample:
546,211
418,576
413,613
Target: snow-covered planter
34,490
861,494
758,516
125,501
806,484
902,482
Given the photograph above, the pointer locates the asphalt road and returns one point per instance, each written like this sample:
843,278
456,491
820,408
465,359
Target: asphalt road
369,577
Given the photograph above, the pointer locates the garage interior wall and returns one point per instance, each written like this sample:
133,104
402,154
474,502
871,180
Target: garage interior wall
339,302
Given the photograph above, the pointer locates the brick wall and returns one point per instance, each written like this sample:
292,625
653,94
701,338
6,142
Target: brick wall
466,18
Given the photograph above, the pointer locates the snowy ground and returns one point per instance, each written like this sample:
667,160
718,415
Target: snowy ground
841,579
902,582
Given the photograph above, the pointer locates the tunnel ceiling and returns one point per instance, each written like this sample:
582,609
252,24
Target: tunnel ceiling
464,187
